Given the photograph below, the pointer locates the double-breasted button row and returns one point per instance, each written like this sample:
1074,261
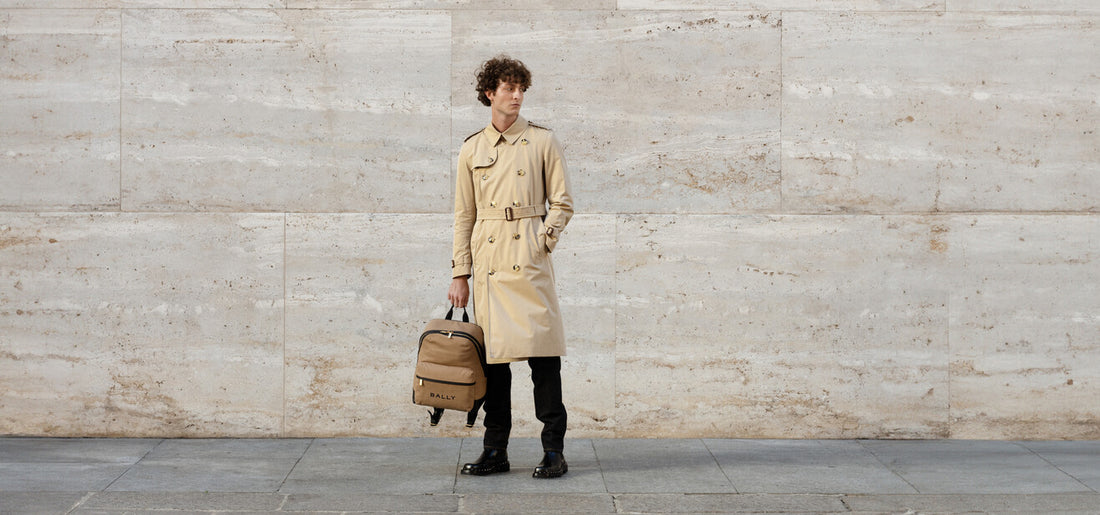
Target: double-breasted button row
517,268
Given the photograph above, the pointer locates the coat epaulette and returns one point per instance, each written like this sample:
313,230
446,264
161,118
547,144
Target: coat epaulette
472,135
537,126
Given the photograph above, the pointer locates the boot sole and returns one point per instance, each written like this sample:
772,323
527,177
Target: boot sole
501,467
546,474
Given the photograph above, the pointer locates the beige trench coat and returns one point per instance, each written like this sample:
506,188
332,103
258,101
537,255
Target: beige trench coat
512,202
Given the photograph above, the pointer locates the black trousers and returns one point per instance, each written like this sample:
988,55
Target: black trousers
549,409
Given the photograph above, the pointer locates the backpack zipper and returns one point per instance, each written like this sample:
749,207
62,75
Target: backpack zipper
422,379
478,348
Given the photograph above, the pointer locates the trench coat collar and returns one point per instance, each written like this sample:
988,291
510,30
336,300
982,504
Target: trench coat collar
511,135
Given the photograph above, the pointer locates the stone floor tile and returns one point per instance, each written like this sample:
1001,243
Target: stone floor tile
229,448
194,500
82,511
205,475
383,450
376,466
728,503
1078,459
660,466
804,466
584,474
354,501
971,466
959,503
75,450
437,477
538,503
39,502
58,477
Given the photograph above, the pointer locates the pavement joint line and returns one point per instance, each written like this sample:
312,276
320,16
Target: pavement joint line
82,500
292,467
1052,464
887,466
458,465
716,462
599,466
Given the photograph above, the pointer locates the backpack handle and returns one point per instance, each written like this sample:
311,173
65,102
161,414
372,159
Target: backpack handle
465,314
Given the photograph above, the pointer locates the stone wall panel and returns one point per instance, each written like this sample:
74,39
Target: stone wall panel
361,288
1060,6
799,218
1025,326
658,112
141,325
59,99
262,110
787,5
965,112
513,5
754,326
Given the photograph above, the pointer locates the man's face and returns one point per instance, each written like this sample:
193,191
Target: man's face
506,99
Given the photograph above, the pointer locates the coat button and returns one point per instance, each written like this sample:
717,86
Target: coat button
523,141
515,203
484,177
492,272
492,239
492,204
521,173
491,159
515,236
515,267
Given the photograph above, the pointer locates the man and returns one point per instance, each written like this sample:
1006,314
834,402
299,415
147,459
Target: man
503,235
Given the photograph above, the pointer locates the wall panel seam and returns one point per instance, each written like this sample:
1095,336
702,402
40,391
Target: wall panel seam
121,83
286,301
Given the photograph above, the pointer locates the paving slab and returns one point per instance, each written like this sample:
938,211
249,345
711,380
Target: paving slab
376,466
201,501
384,450
354,501
1078,459
230,448
82,511
59,477
205,475
974,467
75,450
660,466
538,503
584,474
804,466
728,503
39,502
961,503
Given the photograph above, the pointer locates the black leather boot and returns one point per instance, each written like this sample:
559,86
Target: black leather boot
552,465
490,462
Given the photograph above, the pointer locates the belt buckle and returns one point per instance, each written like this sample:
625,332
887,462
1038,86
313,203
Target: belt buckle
508,214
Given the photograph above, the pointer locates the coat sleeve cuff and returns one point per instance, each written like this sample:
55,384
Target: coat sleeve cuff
551,239
460,269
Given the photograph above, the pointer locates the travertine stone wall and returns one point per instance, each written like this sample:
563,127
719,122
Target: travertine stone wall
796,218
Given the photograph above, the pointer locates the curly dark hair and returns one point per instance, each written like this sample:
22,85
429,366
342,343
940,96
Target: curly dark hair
501,69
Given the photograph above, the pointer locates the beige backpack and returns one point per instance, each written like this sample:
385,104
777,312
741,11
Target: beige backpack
450,364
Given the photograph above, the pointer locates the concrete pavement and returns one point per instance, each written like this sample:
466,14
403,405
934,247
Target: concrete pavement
365,475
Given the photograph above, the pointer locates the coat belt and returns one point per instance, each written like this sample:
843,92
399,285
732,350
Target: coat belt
510,213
